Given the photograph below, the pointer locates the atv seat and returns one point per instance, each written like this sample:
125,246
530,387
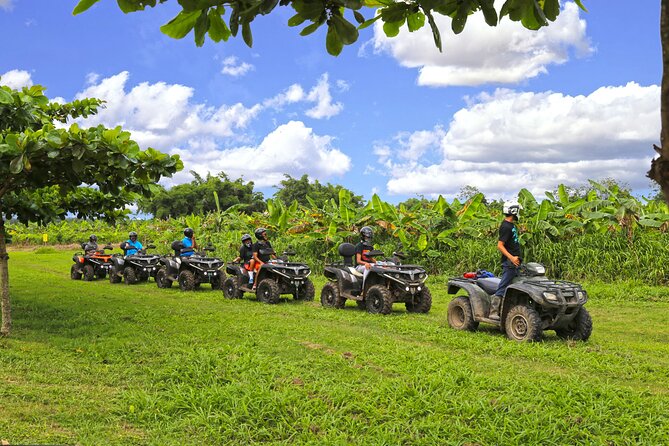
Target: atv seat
347,251
489,284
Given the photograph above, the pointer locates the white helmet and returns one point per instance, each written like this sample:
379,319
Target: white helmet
512,207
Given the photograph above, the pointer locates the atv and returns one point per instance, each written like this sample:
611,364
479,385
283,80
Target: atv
135,267
90,266
531,304
275,277
191,271
387,282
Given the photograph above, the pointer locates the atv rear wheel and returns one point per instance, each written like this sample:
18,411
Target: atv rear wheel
306,291
113,275
162,280
268,291
331,297
186,281
101,273
379,300
231,288
89,273
75,272
523,324
460,314
129,275
579,329
422,302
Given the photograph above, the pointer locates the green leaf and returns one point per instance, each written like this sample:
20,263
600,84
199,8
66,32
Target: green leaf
551,9
369,22
435,29
201,27
359,17
296,20
346,31
180,26
310,29
392,29
580,5
422,242
416,21
83,5
130,5
246,34
5,97
489,12
16,165
218,30
332,42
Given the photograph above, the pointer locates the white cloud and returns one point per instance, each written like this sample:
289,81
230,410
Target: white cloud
292,149
508,140
233,67
324,107
6,5
16,79
507,53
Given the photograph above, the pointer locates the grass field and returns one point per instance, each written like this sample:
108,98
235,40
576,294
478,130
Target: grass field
94,363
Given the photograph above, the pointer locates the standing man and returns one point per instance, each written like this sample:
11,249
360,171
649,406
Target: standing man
509,245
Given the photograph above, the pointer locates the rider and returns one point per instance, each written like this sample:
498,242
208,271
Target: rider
188,242
362,260
261,244
92,246
246,255
508,244
132,245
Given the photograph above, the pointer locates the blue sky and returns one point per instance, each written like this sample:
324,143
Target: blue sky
499,109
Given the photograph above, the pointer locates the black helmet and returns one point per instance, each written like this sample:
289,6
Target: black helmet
259,232
245,237
367,233
188,232
93,238
132,234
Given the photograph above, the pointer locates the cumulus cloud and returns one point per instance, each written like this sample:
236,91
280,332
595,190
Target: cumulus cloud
507,140
507,53
324,107
235,68
16,79
215,138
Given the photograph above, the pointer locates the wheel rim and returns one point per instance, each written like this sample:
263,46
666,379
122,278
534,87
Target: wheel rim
376,302
329,297
264,293
519,326
457,315
229,289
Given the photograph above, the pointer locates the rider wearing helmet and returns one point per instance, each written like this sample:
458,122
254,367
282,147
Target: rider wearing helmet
508,244
246,255
264,244
92,245
362,260
132,245
188,242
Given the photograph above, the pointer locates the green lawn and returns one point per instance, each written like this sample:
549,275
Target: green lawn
94,363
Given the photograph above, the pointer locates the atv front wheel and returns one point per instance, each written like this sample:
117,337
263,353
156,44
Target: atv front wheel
186,281
89,273
75,272
460,314
268,291
231,288
330,296
361,304
162,280
523,324
102,273
129,275
306,291
379,300
579,329
422,302
113,275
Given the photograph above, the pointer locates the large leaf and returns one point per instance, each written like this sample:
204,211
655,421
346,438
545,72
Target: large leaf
83,5
180,26
5,97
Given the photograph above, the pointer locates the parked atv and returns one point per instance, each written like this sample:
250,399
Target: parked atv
134,268
191,271
531,304
387,282
90,266
276,277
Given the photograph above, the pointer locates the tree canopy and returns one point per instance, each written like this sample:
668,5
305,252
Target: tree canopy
315,194
45,166
200,197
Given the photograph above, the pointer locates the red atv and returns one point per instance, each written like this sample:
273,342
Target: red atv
90,266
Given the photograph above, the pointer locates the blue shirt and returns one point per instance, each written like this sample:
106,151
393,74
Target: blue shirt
133,248
187,243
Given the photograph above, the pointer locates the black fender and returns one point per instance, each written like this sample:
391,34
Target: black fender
528,291
118,262
478,299
171,266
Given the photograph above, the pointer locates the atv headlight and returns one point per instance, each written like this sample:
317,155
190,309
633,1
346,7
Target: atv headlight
580,295
551,297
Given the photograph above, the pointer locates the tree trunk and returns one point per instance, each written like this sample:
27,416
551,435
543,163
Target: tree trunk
4,283
659,168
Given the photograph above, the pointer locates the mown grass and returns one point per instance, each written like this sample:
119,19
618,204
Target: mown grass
92,363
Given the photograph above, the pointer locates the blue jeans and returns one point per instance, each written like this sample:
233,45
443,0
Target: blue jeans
509,271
